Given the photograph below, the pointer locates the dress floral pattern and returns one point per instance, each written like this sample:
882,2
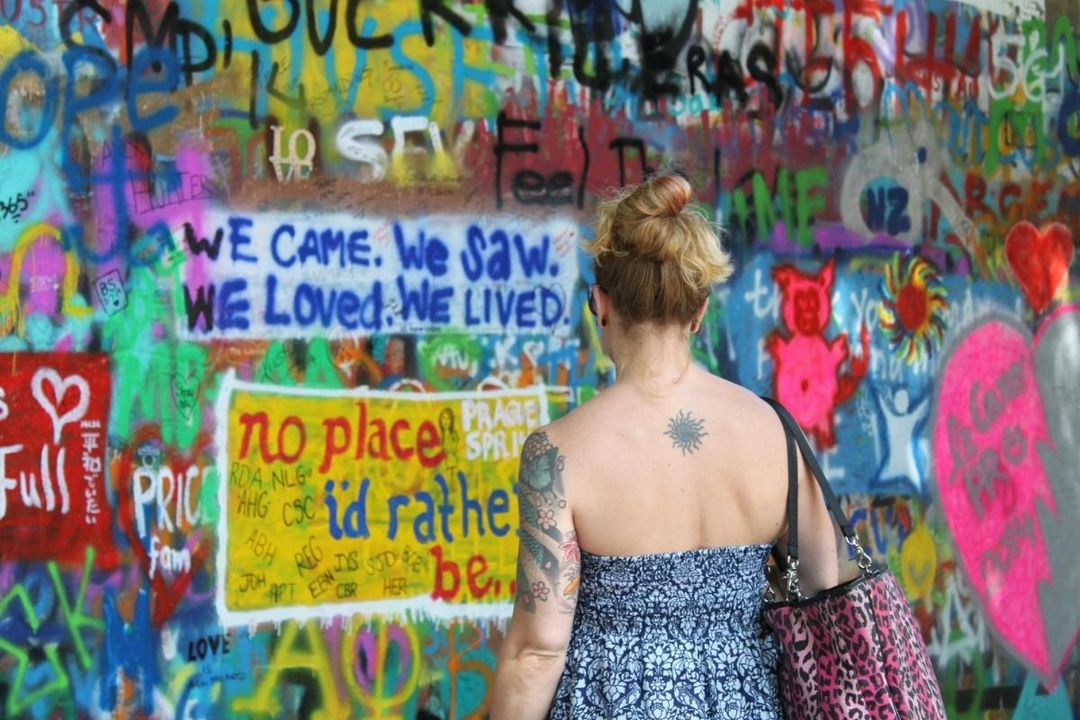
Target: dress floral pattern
671,635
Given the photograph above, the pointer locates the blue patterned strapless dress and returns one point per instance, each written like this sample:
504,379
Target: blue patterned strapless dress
671,635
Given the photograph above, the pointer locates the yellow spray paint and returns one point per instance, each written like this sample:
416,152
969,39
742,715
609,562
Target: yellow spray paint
918,563
11,316
301,646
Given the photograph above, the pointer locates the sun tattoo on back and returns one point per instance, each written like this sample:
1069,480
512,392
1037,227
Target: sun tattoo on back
685,432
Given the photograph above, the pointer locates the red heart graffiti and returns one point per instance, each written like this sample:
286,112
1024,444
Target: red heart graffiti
1039,260
166,594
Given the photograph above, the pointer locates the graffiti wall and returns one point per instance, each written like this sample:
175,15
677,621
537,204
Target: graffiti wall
284,285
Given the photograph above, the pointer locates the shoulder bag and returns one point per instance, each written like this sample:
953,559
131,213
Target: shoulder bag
854,650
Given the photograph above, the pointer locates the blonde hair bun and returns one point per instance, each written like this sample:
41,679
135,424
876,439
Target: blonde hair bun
666,197
656,252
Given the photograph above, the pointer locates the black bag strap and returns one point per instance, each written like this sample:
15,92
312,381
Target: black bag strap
794,436
792,496
793,431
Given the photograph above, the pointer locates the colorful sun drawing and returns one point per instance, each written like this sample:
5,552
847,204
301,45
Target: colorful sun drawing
913,310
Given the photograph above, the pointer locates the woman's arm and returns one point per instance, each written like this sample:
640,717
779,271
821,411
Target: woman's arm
533,653
819,555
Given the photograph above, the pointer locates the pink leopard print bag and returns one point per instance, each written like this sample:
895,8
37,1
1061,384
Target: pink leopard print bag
853,651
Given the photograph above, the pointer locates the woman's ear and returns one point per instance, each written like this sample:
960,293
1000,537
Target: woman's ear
699,317
602,309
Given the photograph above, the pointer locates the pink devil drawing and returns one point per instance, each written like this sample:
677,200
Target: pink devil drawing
810,379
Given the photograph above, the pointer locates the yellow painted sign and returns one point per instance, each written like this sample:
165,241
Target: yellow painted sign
342,502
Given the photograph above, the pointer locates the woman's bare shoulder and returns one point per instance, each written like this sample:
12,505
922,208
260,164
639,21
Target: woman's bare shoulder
729,394
571,432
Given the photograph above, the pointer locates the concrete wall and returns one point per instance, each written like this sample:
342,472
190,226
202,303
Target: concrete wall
284,285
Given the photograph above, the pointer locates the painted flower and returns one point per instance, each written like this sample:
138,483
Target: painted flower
914,307
540,590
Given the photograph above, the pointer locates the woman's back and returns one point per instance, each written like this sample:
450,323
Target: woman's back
702,467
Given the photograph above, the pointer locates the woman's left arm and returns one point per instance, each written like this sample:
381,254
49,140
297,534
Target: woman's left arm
533,652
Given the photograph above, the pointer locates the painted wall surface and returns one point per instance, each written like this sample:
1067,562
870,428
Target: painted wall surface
284,285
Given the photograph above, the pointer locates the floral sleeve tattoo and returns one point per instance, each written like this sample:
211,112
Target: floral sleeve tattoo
549,561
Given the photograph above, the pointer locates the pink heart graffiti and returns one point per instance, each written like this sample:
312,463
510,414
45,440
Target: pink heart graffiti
996,463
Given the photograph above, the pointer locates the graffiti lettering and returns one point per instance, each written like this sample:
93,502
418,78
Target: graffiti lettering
15,206
427,253
375,440
167,494
353,523
280,454
357,140
529,186
299,511
327,247
210,646
308,557
282,593
496,445
1018,535
408,283
262,547
448,578
316,306
321,45
167,559
493,255
7,483
53,456
250,503
299,166
987,405
252,581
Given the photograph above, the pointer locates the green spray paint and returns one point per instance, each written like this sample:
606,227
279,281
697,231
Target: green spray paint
311,362
450,361
797,209
158,379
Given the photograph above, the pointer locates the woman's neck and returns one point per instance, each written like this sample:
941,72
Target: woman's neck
653,359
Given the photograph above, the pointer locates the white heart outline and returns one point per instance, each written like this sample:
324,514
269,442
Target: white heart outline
60,387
